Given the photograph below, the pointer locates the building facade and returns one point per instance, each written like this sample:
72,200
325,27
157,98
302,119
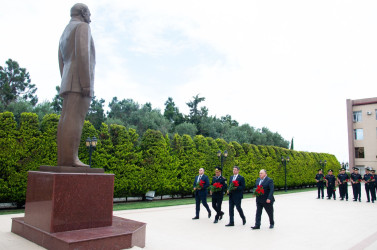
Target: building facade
362,133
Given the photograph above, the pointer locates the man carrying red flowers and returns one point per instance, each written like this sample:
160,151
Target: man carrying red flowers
235,191
201,184
264,200
343,179
219,186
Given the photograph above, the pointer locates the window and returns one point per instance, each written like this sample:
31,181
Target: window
358,134
359,152
357,116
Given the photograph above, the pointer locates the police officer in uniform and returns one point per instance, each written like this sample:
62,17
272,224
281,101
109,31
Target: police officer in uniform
373,184
367,180
356,184
320,183
343,179
217,197
330,184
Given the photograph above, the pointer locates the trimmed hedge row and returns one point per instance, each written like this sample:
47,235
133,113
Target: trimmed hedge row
152,162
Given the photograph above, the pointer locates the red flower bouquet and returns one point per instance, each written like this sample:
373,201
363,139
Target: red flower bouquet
216,187
371,179
345,181
233,186
200,185
258,191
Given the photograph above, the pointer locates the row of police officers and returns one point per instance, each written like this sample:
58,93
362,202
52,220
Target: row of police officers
341,181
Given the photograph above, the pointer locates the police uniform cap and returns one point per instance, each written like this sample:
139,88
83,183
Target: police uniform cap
355,168
342,169
218,168
373,171
330,170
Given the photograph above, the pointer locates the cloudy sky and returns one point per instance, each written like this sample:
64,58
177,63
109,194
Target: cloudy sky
286,65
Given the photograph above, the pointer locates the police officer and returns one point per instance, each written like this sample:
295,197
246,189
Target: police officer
356,184
373,184
343,179
330,184
320,183
367,180
217,196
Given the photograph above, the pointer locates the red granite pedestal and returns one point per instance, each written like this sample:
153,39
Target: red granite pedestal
74,211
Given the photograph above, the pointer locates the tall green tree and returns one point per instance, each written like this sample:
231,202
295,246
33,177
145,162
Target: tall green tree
172,113
15,84
57,102
195,113
96,113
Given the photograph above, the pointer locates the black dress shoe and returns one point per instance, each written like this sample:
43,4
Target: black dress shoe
318,198
271,226
255,227
243,221
209,215
215,221
195,218
322,197
221,215
229,225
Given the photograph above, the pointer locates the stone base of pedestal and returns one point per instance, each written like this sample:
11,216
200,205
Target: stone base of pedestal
122,234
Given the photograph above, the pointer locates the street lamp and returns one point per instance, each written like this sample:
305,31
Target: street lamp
284,161
222,157
91,145
345,165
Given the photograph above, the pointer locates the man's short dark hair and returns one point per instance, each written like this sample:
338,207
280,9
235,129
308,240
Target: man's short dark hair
237,167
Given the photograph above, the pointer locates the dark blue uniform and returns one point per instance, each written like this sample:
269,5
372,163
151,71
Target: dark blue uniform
320,184
343,187
368,186
356,186
217,197
331,186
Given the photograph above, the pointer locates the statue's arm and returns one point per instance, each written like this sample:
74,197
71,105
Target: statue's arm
61,63
82,45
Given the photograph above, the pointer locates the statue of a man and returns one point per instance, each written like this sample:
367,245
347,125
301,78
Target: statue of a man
76,62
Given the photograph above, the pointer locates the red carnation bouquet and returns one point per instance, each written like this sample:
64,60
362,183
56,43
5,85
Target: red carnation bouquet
371,179
233,186
345,181
258,191
200,185
358,181
216,187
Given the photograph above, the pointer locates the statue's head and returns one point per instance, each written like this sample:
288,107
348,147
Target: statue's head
81,11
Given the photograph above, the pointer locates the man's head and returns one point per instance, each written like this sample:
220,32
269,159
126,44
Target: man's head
81,11
342,170
367,170
201,171
262,173
236,169
329,172
355,170
319,171
218,171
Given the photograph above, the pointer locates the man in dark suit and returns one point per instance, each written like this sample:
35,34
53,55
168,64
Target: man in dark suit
201,184
76,63
217,196
265,200
236,195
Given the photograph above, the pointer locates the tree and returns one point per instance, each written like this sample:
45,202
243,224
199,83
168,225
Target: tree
15,84
196,114
172,113
57,102
292,144
96,113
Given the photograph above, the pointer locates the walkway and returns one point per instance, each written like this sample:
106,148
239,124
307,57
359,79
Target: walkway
301,222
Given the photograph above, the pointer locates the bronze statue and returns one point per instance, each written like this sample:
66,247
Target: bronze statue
76,62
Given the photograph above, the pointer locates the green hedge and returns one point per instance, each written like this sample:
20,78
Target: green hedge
151,162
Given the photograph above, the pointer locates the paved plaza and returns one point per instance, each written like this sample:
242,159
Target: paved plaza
301,222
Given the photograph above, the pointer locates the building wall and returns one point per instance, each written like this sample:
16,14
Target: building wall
369,125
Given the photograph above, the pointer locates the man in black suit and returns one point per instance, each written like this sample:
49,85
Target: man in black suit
217,196
265,200
235,195
201,184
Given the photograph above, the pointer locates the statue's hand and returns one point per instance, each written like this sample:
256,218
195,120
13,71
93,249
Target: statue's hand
85,92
